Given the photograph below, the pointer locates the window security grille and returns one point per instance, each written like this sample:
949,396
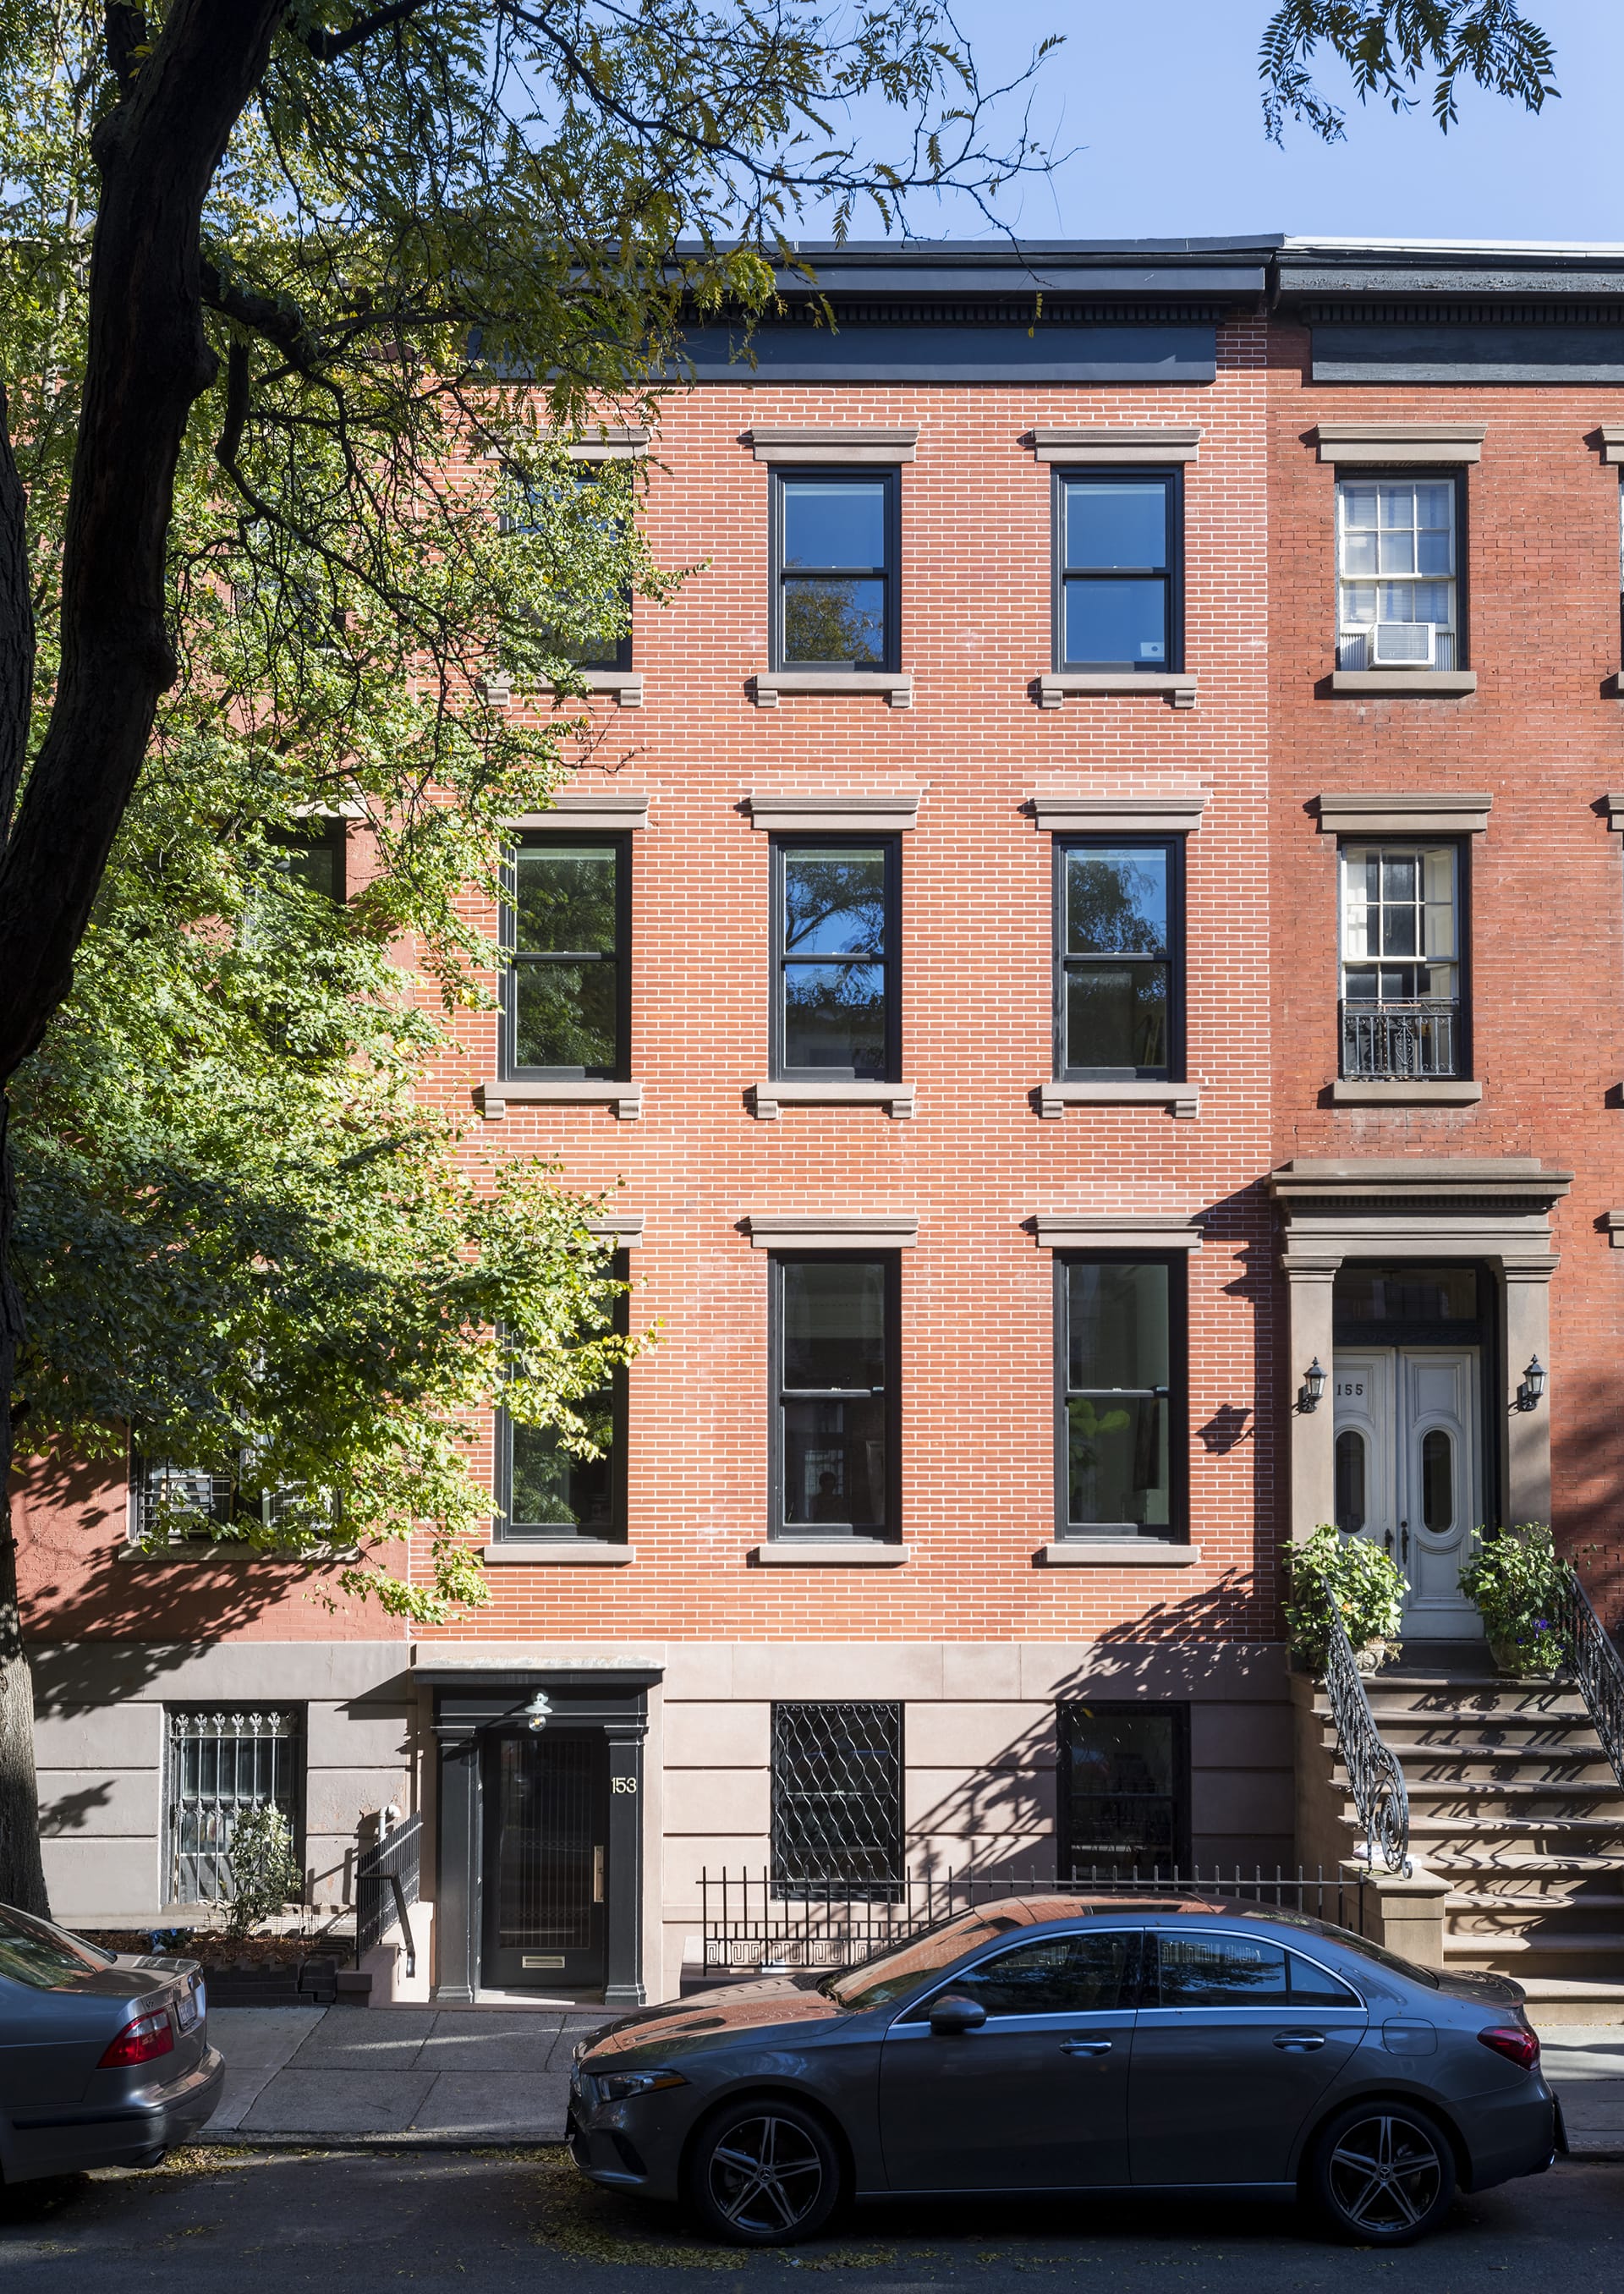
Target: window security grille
222,1766
836,1801
180,1501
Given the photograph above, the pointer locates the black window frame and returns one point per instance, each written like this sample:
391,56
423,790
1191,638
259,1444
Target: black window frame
503,1531
1171,475
325,833
891,573
1177,1709
1400,474
789,1884
590,473
1066,1531
808,840
1174,1069
1417,840
779,1529
514,959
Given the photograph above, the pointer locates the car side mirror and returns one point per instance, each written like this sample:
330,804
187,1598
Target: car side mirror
952,2014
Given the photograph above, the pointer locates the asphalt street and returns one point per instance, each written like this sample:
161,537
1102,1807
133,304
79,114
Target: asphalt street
476,2222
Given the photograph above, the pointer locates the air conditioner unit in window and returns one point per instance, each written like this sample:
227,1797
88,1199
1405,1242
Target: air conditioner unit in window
1403,645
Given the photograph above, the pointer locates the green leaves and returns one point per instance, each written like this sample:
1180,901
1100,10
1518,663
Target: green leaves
1355,1577
1389,47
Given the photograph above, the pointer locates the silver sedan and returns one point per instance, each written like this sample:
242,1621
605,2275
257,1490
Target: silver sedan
104,2058
1068,2044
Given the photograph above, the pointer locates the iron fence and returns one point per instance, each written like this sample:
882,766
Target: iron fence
220,1766
1400,1041
1374,1778
1596,1664
750,1927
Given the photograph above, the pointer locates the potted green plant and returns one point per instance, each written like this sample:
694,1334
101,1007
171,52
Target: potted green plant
1362,1582
1515,1578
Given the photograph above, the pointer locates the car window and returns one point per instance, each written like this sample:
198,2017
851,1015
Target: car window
890,1973
1316,1987
32,1951
1221,1971
1347,1940
1055,1975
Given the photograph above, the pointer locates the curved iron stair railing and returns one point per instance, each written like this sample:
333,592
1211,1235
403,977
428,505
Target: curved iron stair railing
1594,1663
1374,1774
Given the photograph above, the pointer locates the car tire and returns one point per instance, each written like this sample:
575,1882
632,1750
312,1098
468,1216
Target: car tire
1382,2173
763,2173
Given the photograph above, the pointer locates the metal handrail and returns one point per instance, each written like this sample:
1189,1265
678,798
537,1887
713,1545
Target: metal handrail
1376,1778
1596,1664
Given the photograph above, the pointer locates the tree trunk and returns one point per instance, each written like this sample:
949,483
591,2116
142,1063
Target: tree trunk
22,1875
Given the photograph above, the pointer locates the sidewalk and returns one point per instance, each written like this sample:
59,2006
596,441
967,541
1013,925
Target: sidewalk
429,2075
419,2074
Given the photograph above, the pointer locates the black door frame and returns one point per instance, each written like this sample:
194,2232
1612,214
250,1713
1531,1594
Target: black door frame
467,1707
591,1959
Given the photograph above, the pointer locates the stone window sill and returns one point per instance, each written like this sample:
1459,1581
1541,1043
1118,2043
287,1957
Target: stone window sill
828,1553
1357,1091
1182,1099
497,1094
564,1552
898,687
1117,1553
1053,689
1428,684
625,684
776,1093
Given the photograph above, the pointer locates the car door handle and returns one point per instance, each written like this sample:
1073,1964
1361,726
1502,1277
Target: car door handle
1085,2046
1299,2043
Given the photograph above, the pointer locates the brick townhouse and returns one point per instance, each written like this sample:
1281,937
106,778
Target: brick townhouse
1097,904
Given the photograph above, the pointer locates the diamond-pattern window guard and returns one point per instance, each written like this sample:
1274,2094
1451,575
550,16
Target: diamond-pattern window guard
837,1799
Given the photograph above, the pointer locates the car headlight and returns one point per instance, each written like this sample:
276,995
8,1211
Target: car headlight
620,2086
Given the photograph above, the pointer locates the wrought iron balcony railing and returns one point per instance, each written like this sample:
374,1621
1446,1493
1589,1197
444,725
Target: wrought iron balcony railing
1401,1041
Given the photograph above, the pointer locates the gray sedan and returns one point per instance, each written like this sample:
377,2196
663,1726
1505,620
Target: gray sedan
1064,2044
104,2058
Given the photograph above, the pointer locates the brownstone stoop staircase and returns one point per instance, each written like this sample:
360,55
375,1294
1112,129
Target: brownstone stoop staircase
1513,1803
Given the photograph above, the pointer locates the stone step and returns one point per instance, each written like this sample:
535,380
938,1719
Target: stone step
1557,1999
1518,1867
1426,1764
1485,1900
1457,1945
1432,1829
1589,1796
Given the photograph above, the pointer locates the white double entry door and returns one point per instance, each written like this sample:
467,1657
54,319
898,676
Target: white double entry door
1409,1472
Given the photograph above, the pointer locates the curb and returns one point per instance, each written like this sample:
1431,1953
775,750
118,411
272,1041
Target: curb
232,2139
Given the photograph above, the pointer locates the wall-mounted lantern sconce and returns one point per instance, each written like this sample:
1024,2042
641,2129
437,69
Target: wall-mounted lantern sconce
1311,1394
539,1711
1533,1386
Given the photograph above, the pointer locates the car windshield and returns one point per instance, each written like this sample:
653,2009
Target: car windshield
32,1951
1351,1942
890,1973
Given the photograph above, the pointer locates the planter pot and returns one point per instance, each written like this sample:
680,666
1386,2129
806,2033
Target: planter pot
1372,1657
1537,1661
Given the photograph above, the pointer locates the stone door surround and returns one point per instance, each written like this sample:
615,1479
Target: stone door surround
1491,1208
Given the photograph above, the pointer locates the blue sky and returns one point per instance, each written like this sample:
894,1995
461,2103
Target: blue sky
1160,98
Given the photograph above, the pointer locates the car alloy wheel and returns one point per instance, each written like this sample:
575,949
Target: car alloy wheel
1386,2174
765,2175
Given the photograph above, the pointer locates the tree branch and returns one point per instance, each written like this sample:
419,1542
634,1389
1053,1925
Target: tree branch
273,316
327,47
16,627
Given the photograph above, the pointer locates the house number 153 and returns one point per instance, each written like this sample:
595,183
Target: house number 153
622,1784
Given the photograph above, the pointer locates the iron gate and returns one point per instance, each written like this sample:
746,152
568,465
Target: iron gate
220,1766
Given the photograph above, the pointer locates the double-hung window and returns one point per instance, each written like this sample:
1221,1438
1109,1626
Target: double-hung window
835,550
834,1368
1397,580
1117,603
567,929
1123,1789
592,629
545,1490
1401,1008
1119,971
835,928
1122,1406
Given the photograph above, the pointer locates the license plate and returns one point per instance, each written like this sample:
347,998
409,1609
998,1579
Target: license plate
189,2010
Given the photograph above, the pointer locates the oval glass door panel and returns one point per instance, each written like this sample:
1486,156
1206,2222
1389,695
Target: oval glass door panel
1350,1482
1438,1480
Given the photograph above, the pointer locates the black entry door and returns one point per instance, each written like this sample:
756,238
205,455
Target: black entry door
547,1836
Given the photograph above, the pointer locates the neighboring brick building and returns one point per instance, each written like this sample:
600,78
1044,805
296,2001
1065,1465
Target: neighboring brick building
949,958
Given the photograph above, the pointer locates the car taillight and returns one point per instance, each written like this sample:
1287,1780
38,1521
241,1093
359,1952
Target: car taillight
1517,2044
139,2042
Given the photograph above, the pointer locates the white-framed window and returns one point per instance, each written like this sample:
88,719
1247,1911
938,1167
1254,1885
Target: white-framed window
1397,589
1401,960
